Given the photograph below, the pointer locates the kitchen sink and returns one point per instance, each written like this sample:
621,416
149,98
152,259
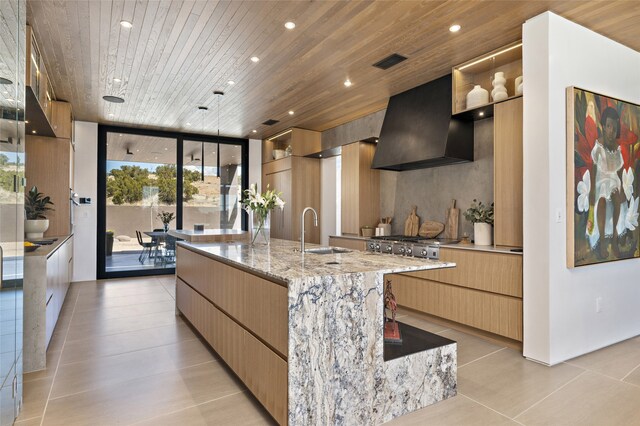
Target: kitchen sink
327,250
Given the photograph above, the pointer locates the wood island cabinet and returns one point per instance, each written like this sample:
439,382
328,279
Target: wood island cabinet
508,173
360,188
298,178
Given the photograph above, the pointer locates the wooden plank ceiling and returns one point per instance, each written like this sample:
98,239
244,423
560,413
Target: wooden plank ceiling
179,52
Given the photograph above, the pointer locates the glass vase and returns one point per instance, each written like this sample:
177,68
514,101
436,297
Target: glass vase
260,228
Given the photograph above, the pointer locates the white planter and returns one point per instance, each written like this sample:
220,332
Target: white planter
482,234
36,228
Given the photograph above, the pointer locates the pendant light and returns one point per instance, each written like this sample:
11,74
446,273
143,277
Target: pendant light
203,109
219,94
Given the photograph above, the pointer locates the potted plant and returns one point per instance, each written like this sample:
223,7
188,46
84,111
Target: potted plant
481,215
259,207
35,206
166,218
109,242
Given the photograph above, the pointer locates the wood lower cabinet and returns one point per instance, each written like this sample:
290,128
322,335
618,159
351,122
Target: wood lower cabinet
298,178
507,140
348,243
483,291
245,320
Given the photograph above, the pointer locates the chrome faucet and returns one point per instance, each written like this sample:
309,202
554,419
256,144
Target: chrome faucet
315,223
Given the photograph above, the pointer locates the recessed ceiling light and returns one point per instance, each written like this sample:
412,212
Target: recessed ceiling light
116,80
26,121
347,83
114,99
137,150
291,112
255,59
289,25
166,149
126,24
320,155
33,131
454,28
481,114
254,131
231,82
188,124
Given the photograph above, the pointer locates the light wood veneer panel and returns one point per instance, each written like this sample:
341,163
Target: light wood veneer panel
61,120
264,372
493,272
258,304
508,160
348,243
47,167
495,313
360,188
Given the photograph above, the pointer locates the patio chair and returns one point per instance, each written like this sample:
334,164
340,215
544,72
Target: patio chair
146,247
170,249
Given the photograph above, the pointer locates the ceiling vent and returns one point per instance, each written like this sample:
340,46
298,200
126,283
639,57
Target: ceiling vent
389,61
270,122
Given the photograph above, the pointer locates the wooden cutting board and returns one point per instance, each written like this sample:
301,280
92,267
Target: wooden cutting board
431,229
412,224
451,222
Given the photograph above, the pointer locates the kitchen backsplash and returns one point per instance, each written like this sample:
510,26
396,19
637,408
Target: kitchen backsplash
432,189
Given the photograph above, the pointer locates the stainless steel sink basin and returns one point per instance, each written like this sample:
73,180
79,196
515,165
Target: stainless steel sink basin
327,250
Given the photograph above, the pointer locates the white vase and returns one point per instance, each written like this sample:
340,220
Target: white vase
518,85
477,96
482,234
35,228
499,92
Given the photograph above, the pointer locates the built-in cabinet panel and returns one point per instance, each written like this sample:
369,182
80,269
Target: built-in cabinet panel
348,243
483,291
360,188
508,172
49,167
298,178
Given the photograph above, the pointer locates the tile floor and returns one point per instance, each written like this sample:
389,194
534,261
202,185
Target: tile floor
119,355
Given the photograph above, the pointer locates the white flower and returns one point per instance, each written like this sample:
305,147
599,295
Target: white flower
584,187
279,202
631,220
627,183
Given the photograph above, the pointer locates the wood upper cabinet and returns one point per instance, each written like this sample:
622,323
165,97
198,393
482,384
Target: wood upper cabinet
61,119
298,178
508,173
301,142
360,188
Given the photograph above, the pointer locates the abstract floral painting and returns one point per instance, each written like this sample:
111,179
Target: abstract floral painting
603,178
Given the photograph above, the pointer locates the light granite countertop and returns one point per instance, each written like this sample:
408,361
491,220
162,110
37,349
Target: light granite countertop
281,261
47,250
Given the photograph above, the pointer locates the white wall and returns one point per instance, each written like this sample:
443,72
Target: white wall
560,319
255,162
85,217
329,199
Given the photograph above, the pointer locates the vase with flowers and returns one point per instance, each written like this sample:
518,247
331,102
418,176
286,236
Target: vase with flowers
259,207
166,218
481,215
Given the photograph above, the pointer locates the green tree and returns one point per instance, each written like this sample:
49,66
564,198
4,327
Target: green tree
4,160
125,185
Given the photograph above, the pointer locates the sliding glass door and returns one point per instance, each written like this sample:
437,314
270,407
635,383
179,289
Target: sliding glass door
150,177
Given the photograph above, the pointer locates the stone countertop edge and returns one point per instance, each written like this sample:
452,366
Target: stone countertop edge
48,250
400,264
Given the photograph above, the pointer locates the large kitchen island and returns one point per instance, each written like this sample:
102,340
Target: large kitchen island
304,332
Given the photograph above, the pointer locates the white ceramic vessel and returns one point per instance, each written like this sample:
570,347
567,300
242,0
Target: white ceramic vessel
518,85
477,96
482,234
499,92
36,228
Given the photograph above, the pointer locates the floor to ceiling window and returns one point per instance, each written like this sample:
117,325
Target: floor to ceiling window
147,175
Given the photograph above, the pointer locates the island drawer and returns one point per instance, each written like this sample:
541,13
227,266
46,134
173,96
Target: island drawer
258,304
493,272
495,313
261,370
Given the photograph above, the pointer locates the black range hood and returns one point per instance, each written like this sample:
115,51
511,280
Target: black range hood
418,130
